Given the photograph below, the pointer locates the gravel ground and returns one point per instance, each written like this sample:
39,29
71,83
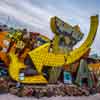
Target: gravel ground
12,97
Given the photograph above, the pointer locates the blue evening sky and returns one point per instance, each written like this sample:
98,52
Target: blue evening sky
35,15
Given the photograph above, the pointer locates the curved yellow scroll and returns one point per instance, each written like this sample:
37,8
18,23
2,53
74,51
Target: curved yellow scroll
79,52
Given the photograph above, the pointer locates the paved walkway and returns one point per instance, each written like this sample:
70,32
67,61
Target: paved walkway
12,97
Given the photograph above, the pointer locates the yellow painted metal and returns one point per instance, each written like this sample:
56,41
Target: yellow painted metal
56,44
53,24
14,71
41,57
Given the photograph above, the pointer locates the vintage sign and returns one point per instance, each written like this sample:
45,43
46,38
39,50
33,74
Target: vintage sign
67,78
60,27
42,57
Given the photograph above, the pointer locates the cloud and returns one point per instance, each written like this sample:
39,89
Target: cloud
36,14
35,17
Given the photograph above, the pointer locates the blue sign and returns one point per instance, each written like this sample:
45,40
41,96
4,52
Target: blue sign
67,78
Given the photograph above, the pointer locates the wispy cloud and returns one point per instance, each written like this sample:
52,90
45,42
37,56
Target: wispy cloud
35,14
31,15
